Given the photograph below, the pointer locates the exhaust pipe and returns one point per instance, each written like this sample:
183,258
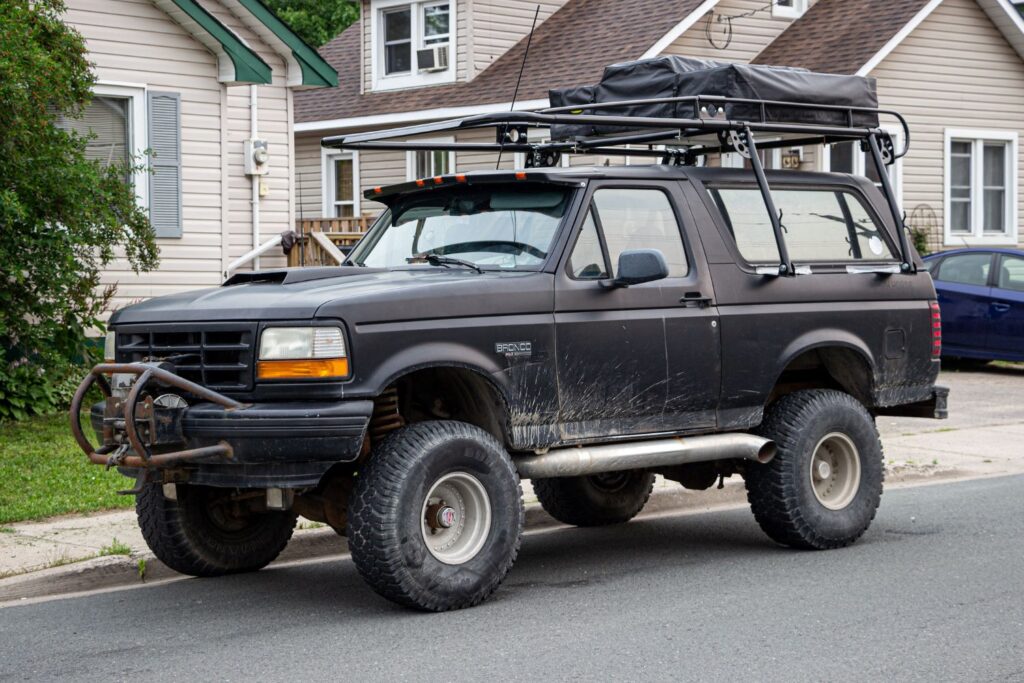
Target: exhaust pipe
586,460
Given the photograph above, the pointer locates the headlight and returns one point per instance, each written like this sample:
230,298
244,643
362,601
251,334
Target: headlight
110,348
302,353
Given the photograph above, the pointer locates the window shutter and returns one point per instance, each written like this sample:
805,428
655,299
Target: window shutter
165,163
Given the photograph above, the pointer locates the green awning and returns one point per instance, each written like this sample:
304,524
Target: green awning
316,72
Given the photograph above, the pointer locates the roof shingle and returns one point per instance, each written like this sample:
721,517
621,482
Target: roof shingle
840,36
571,47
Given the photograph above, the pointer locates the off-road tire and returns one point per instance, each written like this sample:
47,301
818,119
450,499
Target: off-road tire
781,492
385,519
599,500
184,535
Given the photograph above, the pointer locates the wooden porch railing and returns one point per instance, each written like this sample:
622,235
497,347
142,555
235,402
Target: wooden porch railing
317,236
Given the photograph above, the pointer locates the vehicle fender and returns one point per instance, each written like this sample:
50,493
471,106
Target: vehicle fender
436,355
822,338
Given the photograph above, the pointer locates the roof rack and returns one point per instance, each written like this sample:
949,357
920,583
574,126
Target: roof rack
672,140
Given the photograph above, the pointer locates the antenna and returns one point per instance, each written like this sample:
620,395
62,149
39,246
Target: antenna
515,93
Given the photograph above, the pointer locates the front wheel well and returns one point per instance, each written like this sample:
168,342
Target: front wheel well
441,393
827,367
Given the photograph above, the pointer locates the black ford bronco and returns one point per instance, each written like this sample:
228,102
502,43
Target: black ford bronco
584,327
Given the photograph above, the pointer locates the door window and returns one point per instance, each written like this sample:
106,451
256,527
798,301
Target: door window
639,219
587,260
966,269
1011,274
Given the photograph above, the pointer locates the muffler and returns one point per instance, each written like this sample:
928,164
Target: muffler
586,460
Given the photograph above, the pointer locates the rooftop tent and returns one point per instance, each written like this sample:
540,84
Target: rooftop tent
674,77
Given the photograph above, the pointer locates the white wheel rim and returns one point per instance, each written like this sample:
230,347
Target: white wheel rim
835,471
456,518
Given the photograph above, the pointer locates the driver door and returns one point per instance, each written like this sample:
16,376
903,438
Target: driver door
641,359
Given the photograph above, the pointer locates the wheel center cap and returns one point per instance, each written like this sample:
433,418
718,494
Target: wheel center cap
446,517
823,470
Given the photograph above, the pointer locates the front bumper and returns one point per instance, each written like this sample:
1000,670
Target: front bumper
212,431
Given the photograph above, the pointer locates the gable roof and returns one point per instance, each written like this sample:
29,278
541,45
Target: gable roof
571,47
843,37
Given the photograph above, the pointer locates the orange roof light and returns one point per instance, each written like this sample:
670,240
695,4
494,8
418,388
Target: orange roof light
420,183
378,190
437,180
520,175
460,177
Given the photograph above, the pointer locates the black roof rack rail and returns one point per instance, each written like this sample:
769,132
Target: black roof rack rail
682,139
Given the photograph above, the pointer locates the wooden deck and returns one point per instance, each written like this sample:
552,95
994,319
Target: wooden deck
319,240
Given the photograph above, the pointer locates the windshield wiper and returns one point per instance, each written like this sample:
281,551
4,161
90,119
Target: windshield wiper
438,260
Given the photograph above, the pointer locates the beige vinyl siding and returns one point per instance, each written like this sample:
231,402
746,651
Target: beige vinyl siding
272,126
955,70
750,34
308,177
133,42
497,25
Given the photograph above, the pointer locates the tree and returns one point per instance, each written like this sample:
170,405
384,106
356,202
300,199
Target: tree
63,217
316,21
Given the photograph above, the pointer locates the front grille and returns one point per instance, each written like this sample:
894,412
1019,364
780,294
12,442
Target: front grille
217,356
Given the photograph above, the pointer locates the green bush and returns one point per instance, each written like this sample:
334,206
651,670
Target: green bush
63,217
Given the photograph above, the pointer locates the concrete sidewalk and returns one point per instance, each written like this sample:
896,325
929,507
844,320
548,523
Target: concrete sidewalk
983,437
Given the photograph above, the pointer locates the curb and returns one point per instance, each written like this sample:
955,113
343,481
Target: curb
124,570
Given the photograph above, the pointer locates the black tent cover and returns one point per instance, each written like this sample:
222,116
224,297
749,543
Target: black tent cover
673,76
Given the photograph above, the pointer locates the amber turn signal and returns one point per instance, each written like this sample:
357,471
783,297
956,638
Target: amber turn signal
317,368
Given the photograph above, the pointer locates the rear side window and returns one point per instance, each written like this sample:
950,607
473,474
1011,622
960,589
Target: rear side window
1011,274
966,269
818,225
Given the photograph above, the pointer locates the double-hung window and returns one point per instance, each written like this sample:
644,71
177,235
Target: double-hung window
980,187
413,43
340,171
429,163
848,157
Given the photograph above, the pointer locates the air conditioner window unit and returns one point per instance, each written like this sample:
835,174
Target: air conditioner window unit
433,58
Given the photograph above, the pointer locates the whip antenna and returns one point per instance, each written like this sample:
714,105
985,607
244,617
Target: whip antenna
515,93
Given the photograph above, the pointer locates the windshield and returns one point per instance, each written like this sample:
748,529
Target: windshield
493,227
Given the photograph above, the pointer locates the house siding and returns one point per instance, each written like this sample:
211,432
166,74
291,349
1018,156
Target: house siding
497,25
955,70
751,34
134,42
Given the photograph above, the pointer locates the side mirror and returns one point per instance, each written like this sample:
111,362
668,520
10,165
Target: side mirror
640,265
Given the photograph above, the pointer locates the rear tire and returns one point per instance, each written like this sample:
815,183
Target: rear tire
823,487
598,500
203,534
436,516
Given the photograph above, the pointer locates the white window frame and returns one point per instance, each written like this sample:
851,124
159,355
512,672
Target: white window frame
785,12
410,158
138,133
860,160
978,137
329,201
413,79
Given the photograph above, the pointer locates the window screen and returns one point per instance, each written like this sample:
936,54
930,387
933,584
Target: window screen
818,225
640,219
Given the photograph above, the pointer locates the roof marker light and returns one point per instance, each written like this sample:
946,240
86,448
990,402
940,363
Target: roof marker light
437,180
420,182
460,177
377,190
520,175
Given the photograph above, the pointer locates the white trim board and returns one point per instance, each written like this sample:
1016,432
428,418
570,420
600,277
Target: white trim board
327,156
679,29
1005,17
414,116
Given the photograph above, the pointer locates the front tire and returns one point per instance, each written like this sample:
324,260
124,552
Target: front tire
823,487
598,500
436,516
205,533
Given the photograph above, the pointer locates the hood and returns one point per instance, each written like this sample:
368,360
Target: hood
356,295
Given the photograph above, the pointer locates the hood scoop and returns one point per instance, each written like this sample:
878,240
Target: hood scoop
291,276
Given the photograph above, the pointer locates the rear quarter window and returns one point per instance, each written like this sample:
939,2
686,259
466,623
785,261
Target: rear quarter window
819,225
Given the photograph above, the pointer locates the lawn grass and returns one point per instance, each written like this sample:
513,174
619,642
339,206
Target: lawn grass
44,473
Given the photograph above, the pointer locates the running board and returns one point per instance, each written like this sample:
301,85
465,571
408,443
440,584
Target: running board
587,460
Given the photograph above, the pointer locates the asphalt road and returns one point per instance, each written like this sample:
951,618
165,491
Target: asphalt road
935,591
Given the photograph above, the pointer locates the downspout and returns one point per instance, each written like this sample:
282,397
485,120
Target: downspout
253,120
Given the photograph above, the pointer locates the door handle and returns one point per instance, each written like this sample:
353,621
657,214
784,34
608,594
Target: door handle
1001,308
695,300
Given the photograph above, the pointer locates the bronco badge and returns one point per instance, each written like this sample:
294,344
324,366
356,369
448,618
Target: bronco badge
514,349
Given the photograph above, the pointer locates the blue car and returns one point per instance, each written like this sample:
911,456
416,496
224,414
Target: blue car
981,294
